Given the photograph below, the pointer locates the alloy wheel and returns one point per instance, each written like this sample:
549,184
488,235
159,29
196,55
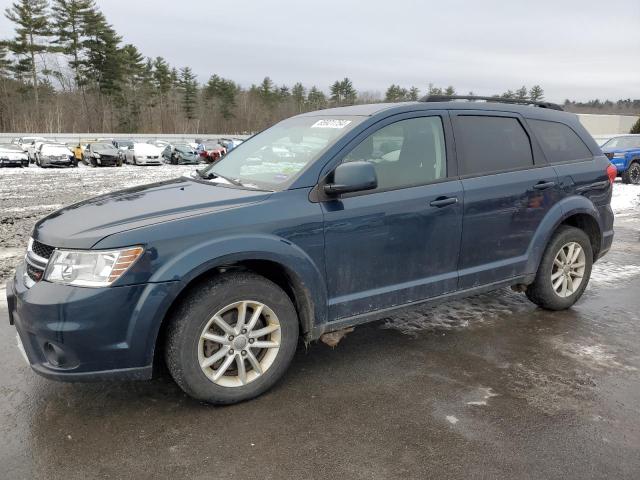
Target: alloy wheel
239,343
568,268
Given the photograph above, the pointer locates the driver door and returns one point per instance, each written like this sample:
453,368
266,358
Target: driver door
400,242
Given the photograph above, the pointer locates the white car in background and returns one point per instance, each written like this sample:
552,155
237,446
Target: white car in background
54,155
11,155
28,145
143,154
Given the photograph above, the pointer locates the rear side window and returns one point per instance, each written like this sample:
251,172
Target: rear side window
559,142
492,144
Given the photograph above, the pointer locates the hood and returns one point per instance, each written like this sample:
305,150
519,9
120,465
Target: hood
84,224
146,149
619,150
107,151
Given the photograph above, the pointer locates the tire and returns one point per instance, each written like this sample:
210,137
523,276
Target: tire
542,291
133,161
185,347
632,174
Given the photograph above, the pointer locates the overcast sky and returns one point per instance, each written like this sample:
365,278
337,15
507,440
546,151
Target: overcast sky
577,49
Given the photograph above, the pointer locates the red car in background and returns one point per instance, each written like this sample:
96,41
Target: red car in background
212,152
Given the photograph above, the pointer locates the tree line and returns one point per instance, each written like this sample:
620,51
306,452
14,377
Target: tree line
66,69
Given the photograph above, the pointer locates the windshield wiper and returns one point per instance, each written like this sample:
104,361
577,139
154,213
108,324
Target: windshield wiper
212,175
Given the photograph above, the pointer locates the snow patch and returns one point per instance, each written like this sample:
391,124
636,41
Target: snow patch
451,419
458,314
486,394
595,356
609,273
625,197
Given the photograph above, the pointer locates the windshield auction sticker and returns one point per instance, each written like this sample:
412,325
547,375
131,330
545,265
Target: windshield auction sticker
331,123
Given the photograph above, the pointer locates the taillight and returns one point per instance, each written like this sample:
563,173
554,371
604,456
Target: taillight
612,173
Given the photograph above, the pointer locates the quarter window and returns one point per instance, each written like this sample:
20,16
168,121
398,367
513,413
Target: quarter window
559,142
406,153
492,144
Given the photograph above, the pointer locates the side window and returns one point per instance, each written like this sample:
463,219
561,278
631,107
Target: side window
559,142
406,153
492,144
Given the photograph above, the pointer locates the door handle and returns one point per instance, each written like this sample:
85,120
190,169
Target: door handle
443,201
544,185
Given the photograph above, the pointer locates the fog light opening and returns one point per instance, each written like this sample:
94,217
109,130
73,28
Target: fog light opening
54,354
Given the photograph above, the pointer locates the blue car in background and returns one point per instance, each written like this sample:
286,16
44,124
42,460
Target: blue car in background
624,153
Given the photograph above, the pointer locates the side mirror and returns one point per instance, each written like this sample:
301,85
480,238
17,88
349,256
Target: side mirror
352,177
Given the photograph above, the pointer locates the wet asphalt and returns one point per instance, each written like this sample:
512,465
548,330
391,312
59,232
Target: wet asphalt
488,387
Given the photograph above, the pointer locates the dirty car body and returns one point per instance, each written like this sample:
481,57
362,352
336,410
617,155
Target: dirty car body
342,257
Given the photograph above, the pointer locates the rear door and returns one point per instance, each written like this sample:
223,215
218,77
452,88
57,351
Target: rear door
398,243
508,189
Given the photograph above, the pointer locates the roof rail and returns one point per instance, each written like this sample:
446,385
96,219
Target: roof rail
517,101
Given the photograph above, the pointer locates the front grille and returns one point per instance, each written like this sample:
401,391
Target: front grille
34,273
41,249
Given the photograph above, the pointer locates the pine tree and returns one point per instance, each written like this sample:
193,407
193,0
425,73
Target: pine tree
349,94
450,91
189,90
225,92
635,129
414,94
316,99
32,30
395,93
521,93
433,90
343,93
536,93
266,92
104,57
298,93
70,30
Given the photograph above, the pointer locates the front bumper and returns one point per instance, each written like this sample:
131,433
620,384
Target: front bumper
84,334
6,162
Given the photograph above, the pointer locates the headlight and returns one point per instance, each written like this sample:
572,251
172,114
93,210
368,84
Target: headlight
619,155
86,268
97,155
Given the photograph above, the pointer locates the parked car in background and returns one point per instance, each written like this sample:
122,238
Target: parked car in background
212,151
229,143
387,206
122,145
11,155
102,154
143,154
624,153
161,144
54,155
29,144
180,154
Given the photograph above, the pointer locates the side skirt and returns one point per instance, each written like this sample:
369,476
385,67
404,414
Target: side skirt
359,319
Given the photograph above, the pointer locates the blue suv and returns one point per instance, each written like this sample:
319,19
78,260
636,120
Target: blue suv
624,153
326,220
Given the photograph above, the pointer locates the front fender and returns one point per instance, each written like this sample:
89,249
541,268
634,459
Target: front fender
201,258
562,210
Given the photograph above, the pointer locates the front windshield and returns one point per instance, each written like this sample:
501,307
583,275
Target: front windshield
185,149
623,142
273,158
103,146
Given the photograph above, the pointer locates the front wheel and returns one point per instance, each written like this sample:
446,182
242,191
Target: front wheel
232,338
564,270
632,174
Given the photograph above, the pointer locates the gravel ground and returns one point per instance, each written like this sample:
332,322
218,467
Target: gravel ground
27,195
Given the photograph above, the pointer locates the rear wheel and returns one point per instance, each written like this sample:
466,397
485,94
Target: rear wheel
632,174
564,270
231,339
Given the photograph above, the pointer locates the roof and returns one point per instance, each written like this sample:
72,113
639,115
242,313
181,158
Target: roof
368,110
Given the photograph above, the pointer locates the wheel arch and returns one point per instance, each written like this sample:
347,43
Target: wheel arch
575,211
297,276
